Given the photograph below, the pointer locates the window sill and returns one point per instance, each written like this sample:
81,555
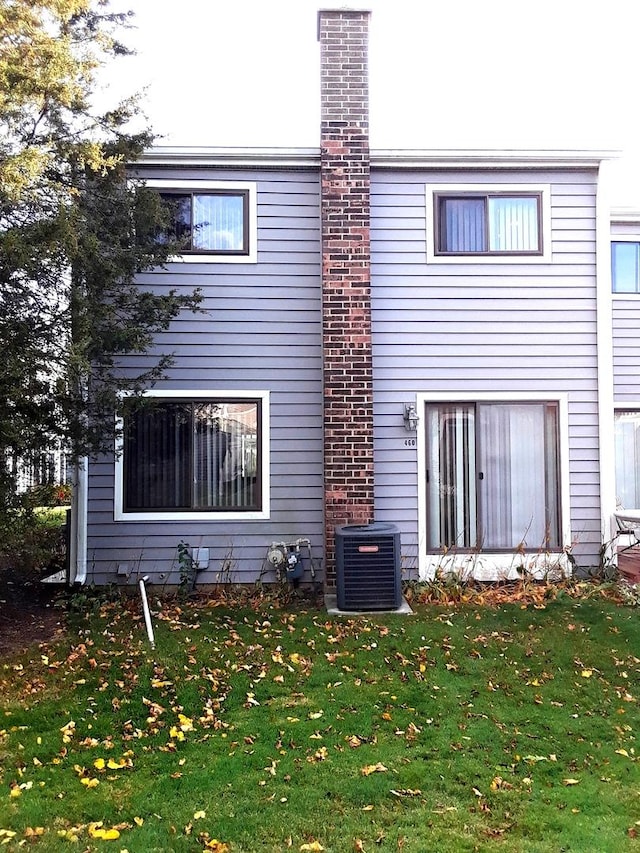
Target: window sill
208,258
467,260
190,516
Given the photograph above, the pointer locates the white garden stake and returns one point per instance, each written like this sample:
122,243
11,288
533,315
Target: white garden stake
147,614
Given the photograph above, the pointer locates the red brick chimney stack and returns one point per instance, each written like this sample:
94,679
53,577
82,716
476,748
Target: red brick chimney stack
346,284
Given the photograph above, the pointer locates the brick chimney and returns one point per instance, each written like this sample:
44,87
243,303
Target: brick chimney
346,284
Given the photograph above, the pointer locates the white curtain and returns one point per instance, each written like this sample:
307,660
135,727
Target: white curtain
627,451
514,490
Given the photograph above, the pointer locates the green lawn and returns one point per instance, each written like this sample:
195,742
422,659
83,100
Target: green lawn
273,728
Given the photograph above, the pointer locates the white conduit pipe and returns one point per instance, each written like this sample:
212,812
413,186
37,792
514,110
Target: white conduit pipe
147,614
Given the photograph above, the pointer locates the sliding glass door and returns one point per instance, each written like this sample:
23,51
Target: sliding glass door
492,476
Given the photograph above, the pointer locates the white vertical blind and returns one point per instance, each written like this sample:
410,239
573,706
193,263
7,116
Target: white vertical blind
218,222
627,454
464,225
513,224
188,456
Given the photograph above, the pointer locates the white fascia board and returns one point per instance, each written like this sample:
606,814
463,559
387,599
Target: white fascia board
292,158
489,159
309,158
624,216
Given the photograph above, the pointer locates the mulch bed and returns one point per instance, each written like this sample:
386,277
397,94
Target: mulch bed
24,625
28,614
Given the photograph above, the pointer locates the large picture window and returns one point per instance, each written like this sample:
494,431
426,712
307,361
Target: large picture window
627,451
493,479
488,224
195,457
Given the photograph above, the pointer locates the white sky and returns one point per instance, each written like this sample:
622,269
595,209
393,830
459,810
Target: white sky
443,74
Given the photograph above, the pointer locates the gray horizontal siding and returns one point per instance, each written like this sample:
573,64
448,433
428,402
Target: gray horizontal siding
481,328
626,349
260,329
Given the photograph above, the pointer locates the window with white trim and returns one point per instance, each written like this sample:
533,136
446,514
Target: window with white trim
625,266
493,475
211,221
488,223
198,457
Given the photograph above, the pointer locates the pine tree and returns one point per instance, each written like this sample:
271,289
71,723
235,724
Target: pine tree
74,234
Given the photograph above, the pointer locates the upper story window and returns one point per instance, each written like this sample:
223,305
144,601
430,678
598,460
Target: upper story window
213,221
625,267
479,223
488,223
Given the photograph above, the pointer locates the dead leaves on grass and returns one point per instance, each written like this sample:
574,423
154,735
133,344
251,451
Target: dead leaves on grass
160,720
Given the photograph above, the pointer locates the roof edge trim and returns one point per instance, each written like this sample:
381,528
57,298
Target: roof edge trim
380,158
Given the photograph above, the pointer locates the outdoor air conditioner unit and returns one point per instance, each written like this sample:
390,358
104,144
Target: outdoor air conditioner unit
368,567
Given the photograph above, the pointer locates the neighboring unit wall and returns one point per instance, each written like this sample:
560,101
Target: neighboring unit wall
486,328
626,328
261,332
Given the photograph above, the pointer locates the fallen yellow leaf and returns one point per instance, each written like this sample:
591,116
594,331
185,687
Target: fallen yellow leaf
374,768
90,783
34,831
570,781
186,724
96,830
99,763
314,846
587,673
